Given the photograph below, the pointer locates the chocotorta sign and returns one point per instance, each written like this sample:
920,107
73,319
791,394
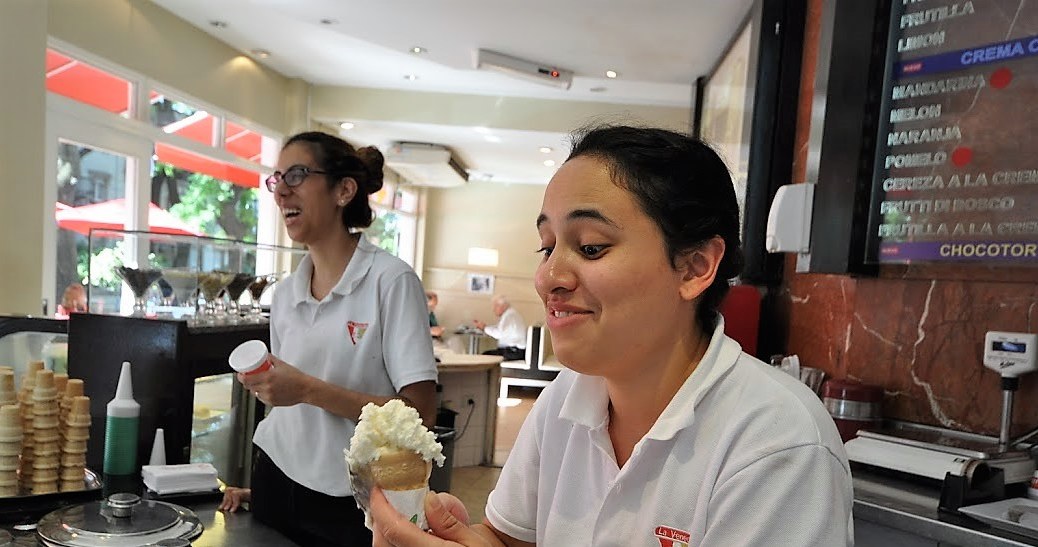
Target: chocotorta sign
956,169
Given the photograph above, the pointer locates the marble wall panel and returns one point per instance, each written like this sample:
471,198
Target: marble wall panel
920,339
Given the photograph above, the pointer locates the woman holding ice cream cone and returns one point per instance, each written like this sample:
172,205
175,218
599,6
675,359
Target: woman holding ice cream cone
348,327
661,431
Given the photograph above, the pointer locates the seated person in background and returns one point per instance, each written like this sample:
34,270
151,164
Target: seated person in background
73,300
435,330
510,331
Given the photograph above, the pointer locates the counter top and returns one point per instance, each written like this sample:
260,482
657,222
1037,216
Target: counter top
912,508
221,530
464,362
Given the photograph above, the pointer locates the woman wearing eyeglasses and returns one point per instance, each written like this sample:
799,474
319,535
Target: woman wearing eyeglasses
349,327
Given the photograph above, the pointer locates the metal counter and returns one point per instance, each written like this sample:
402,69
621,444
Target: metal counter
889,510
221,530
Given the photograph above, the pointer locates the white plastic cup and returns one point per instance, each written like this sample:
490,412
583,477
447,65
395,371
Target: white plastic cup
250,358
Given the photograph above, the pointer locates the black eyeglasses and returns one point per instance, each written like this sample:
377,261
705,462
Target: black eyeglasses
292,177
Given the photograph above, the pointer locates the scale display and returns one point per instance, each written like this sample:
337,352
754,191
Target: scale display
956,171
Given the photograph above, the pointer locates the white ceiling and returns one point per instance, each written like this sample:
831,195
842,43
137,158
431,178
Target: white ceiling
658,47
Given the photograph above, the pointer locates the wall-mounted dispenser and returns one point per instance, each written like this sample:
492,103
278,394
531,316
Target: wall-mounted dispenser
789,221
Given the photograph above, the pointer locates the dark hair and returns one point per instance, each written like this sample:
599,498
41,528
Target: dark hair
340,159
682,185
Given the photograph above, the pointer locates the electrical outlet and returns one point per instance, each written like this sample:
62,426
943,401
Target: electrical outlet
471,402
469,398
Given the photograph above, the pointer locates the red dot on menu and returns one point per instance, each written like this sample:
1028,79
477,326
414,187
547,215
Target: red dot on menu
962,156
1001,78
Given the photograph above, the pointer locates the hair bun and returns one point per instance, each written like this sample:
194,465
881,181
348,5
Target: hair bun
374,161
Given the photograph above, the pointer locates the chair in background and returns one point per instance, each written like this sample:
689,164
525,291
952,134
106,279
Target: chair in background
539,367
741,311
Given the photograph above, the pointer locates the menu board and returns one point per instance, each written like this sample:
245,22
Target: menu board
956,172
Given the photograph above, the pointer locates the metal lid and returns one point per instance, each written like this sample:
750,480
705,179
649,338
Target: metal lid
851,390
123,520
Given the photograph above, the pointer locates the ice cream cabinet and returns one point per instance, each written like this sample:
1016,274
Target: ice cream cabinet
181,380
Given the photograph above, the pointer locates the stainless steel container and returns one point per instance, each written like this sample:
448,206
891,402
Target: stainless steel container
122,520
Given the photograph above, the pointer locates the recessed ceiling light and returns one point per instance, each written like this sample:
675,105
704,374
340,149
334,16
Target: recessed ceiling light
481,130
491,138
598,89
411,77
218,24
261,53
346,125
327,21
549,163
611,74
418,50
545,149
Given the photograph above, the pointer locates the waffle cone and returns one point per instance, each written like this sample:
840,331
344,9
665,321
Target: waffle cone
397,469
8,395
72,486
73,474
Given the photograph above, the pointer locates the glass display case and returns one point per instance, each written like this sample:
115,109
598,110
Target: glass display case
182,381
201,279
24,339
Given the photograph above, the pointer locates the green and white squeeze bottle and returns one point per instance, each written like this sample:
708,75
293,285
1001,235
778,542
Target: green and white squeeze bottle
122,424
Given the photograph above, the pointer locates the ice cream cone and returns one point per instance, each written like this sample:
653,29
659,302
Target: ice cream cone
29,380
60,381
8,396
397,469
72,486
73,389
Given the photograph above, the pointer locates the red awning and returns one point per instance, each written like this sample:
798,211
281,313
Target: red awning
194,162
111,215
87,84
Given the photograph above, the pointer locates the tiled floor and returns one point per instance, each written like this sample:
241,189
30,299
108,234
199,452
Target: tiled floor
472,484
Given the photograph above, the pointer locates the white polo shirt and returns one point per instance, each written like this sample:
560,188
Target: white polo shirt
369,334
744,455
510,330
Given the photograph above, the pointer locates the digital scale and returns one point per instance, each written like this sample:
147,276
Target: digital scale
935,452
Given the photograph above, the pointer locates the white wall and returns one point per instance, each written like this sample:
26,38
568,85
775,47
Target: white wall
23,42
489,215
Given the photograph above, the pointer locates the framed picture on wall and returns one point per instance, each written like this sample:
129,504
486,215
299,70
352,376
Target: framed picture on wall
480,283
746,109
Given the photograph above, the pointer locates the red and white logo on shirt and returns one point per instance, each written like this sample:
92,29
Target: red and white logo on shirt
356,330
672,537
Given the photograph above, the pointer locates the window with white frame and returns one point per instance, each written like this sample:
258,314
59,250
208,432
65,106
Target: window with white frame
395,226
197,166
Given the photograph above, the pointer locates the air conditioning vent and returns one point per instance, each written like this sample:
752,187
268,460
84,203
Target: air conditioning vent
521,68
426,164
